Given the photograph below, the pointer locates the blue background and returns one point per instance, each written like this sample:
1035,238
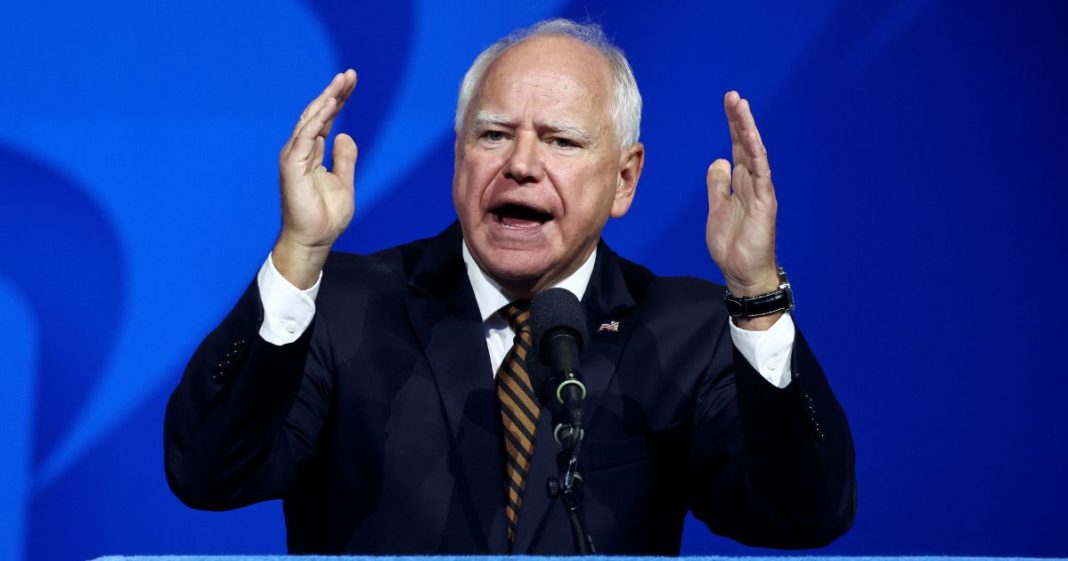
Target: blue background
917,146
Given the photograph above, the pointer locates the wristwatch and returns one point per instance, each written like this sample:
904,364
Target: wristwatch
779,300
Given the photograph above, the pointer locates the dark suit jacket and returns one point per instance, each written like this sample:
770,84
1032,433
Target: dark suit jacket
380,427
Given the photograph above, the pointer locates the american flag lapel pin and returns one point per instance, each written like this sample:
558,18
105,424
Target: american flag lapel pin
609,327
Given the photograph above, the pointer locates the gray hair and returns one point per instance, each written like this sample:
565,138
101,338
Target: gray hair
626,101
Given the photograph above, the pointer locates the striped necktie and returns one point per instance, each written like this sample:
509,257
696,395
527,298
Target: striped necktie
519,411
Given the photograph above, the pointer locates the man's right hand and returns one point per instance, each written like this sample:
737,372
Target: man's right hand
317,203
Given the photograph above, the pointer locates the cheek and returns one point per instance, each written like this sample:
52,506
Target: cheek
589,193
474,177
464,191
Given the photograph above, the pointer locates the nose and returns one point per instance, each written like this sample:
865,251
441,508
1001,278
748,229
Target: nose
524,163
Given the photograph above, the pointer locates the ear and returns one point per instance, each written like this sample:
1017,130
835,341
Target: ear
631,161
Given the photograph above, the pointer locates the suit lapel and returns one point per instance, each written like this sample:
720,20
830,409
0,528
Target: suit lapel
607,299
442,310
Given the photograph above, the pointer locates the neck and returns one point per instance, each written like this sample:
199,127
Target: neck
526,289
523,289
492,292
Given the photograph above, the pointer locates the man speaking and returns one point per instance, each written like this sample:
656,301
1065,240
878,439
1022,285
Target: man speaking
390,399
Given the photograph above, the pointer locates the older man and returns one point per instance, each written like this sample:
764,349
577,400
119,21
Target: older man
376,394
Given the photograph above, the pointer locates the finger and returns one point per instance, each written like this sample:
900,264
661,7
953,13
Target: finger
718,180
318,150
729,101
311,110
756,155
330,91
304,141
314,126
742,185
751,190
346,91
345,153
348,87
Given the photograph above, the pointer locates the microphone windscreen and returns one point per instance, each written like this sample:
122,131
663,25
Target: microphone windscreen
557,308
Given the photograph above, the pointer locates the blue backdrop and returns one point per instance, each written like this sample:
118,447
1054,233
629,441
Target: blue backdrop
917,148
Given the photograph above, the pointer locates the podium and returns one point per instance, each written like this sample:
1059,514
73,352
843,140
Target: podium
546,558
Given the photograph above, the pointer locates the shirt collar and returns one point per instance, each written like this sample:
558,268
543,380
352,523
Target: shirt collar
491,298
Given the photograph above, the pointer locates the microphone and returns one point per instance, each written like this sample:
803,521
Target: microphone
558,327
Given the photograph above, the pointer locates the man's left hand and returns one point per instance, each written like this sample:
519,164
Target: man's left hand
741,212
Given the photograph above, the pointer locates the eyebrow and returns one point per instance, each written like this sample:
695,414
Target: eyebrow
484,118
487,118
567,128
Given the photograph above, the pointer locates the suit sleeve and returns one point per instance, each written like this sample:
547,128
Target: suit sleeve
771,467
246,414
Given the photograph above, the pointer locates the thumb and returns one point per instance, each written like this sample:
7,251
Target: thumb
345,158
719,184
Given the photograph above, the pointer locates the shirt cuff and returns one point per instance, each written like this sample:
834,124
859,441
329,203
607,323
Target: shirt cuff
287,310
768,352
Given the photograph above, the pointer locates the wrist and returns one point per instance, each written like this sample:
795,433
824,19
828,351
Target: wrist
761,310
299,263
764,283
762,323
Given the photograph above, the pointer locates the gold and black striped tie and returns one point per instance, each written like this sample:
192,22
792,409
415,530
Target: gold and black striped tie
519,411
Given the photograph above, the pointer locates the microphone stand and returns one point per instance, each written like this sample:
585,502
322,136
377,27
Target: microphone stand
568,486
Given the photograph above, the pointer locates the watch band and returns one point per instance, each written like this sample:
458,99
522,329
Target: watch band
779,300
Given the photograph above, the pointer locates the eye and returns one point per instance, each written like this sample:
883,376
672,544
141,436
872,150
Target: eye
493,136
564,143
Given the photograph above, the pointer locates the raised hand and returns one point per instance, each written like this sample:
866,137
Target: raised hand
741,207
317,203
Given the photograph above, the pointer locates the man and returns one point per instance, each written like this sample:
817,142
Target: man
362,389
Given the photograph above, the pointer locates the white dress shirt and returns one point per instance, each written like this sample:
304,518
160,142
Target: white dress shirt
288,310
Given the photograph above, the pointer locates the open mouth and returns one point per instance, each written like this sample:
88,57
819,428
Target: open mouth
512,215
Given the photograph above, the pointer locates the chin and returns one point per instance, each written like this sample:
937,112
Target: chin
515,267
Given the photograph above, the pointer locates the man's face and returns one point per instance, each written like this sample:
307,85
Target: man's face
538,165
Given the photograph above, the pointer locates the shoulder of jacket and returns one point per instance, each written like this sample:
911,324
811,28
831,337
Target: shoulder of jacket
644,284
